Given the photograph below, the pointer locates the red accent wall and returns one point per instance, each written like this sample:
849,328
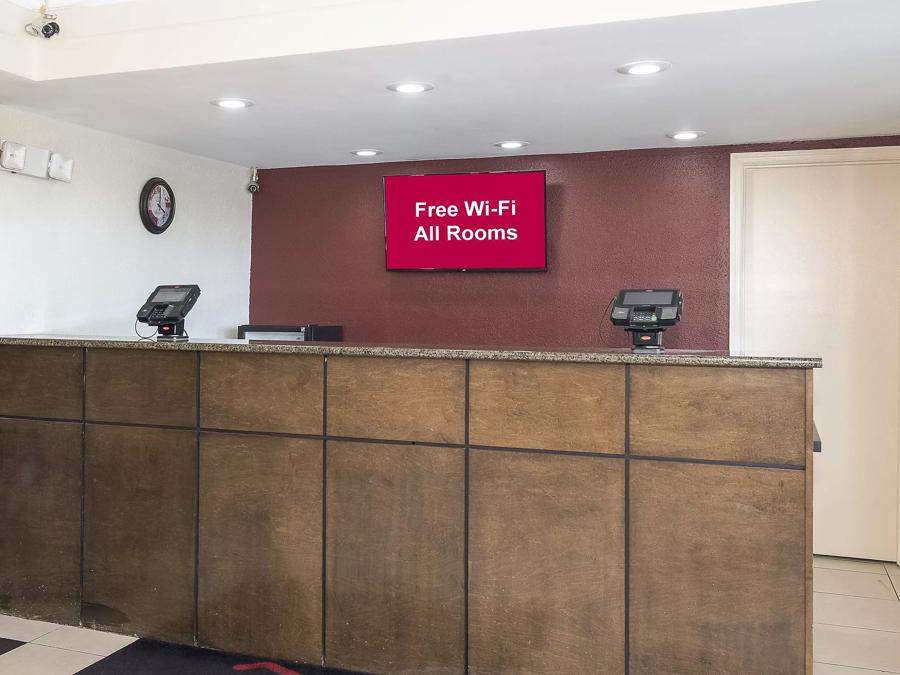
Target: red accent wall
638,218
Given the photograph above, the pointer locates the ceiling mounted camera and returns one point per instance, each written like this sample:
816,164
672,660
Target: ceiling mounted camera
46,27
253,185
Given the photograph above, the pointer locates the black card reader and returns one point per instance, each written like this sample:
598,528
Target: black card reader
646,314
166,308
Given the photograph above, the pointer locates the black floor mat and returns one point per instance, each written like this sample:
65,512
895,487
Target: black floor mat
147,657
9,645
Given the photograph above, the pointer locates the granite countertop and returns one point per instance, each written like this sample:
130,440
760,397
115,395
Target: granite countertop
674,357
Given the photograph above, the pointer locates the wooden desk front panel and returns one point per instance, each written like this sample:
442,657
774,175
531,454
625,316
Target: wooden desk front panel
40,382
40,519
260,567
735,414
394,543
397,399
139,513
141,387
553,406
546,563
280,393
718,568
546,530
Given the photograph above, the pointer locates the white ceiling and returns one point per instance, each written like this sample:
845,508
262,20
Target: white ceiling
799,71
55,4
123,37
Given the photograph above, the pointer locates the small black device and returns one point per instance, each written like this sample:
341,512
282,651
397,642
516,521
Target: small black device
646,314
305,333
166,308
49,29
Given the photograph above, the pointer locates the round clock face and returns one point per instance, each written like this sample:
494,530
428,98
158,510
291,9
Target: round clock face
157,205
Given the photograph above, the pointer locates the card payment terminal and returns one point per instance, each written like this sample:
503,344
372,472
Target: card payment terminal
646,314
166,308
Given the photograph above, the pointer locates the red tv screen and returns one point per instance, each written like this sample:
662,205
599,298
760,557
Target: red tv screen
466,221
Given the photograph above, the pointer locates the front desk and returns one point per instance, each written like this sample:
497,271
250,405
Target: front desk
412,510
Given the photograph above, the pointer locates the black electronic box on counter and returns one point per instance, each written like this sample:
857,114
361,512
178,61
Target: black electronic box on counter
166,308
305,333
646,313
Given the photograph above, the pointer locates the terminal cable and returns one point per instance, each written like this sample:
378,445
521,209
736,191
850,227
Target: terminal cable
142,337
606,315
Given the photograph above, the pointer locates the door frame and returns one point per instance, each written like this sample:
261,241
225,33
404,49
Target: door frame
741,164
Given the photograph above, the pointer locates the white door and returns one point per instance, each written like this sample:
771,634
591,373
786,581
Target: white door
816,268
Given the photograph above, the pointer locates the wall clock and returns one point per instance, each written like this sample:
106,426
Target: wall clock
157,205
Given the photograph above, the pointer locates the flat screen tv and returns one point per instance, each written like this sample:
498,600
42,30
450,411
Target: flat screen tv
493,221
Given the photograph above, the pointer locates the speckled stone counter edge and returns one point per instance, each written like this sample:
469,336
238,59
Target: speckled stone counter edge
669,358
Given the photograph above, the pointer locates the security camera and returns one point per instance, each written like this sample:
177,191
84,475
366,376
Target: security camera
253,185
49,29
46,27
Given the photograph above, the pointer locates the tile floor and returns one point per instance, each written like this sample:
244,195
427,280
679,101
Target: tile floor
856,617
39,648
856,612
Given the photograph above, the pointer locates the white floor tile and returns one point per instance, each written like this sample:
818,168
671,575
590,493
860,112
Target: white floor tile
91,641
831,669
847,610
32,659
23,630
860,584
848,565
856,647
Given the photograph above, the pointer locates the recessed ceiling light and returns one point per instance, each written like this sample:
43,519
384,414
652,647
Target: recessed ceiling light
366,152
686,135
511,145
410,87
232,103
643,67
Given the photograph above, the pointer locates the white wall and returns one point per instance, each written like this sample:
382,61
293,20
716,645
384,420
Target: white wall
75,258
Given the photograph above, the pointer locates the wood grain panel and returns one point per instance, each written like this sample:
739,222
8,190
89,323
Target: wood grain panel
261,546
397,399
40,382
139,512
395,558
740,414
808,523
40,520
554,406
546,564
262,392
141,387
717,569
